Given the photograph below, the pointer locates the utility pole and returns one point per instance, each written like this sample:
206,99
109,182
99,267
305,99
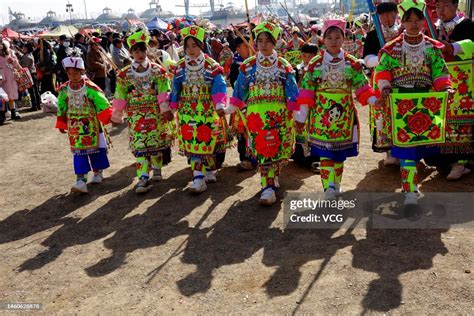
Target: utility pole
70,10
85,8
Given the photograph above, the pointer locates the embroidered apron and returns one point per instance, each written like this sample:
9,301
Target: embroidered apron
82,124
418,118
201,130
332,118
269,123
148,135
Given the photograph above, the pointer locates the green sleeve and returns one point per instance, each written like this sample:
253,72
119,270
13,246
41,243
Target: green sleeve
163,84
467,49
358,77
309,81
98,98
438,65
62,104
121,89
386,64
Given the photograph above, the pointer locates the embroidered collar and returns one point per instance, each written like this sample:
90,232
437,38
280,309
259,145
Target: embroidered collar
267,61
329,59
391,32
194,63
145,64
411,40
448,27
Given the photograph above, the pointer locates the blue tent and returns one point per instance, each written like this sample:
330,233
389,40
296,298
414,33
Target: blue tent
157,24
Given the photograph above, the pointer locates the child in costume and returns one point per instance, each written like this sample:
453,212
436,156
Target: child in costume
326,93
412,63
267,88
379,118
199,96
142,92
226,56
242,52
302,155
83,109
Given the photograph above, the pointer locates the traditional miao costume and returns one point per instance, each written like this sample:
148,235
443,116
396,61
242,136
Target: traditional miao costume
226,56
302,155
459,147
83,112
414,69
293,54
143,96
379,119
333,123
266,86
236,121
199,89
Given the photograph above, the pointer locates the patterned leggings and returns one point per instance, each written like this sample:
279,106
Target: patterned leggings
201,164
331,173
143,164
409,173
268,173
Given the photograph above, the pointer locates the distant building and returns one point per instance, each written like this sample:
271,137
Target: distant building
50,19
20,21
155,10
107,16
131,15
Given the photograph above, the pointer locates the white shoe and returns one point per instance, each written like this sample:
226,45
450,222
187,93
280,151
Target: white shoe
276,182
457,171
411,198
143,186
390,160
157,175
198,185
79,187
268,197
210,176
339,190
97,178
330,194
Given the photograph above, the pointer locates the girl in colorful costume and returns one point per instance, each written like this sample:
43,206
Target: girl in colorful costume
143,93
199,96
412,63
326,93
266,86
83,109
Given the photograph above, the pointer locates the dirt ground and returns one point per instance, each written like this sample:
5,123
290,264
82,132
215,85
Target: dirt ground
113,252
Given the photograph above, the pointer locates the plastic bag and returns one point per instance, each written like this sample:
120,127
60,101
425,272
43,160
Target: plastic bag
49,102
3,95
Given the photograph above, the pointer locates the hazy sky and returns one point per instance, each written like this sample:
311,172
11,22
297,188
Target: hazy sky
36,9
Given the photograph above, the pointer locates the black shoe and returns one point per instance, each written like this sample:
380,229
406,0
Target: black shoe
15,115
2,117
32,109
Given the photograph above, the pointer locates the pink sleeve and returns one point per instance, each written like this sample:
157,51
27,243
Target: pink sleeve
219,98
119,104
173,105
237,102
162,97
293,106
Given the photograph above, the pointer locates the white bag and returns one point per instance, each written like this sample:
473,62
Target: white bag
49,102
3,95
